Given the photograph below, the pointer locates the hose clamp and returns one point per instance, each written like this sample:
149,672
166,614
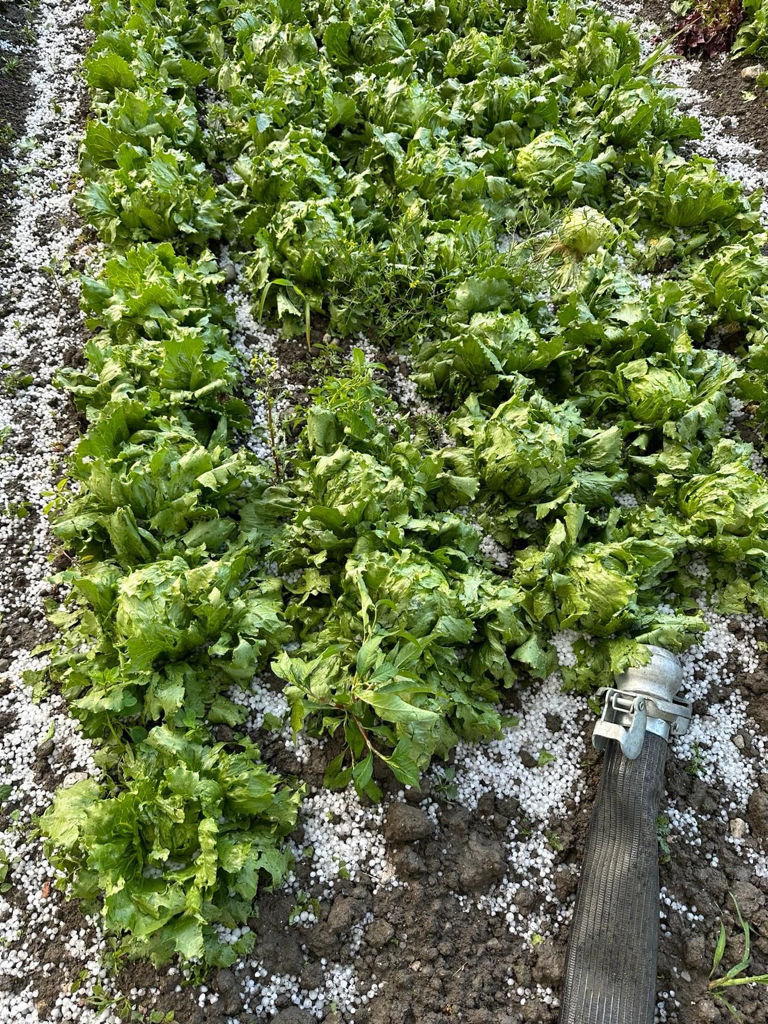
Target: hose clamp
643,700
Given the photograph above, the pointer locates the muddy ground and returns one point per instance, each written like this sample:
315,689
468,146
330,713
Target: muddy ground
14,86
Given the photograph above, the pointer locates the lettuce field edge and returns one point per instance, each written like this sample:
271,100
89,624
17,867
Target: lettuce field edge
709,27
495,189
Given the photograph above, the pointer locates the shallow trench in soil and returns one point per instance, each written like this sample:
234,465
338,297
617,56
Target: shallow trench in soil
451,903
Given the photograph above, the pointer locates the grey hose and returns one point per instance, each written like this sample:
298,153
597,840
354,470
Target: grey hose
610,975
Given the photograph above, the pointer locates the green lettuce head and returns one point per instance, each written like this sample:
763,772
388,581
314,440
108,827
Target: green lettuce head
548,162
654,394
585,230
522,450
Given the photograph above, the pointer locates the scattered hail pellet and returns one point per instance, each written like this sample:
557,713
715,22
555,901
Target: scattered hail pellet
252,341
341,990
345,836
259,700
721,657
551,732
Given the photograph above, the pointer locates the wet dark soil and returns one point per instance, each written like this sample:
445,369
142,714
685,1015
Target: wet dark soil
14,91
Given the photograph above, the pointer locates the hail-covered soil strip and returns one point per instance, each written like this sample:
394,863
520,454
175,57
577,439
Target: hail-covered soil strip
536,766
45,945
40,328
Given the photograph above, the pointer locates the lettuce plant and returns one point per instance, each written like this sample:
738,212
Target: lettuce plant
497,191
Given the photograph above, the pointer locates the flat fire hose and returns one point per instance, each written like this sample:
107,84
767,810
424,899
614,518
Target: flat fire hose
610,974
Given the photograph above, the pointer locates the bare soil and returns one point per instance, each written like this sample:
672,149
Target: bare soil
14,92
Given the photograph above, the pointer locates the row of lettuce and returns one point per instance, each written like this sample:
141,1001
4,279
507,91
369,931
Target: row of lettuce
494,188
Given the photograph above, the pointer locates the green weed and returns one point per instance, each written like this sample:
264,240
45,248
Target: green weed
736,976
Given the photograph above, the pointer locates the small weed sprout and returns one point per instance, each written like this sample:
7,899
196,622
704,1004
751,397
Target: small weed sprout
718,986
444,781
554,840
17,381
5,864
58,269
17,510
306,905
696,763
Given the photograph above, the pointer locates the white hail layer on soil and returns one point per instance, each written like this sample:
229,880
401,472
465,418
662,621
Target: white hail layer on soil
708,745
250,339
496,767
262,993
33,340
402,388
345,836
551,731
340,989
261,700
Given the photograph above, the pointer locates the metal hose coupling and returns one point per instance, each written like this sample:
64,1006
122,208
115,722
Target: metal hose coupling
610,971
645,699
